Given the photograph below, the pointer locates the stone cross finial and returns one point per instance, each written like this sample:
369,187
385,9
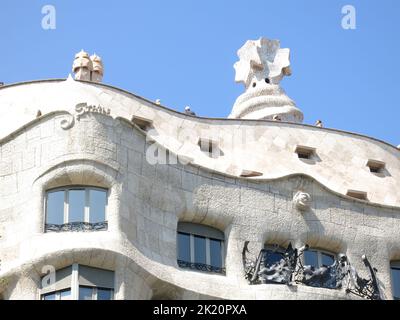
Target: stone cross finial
262,59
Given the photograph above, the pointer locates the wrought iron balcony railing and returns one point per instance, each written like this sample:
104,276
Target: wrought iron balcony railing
77,226
200,267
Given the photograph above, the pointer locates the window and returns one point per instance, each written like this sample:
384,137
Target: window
322,261
79,282
317,258
273,254
304,152
142,123
375,166
76,209
58,295
92,293
361,195
250,173
200,247
395,274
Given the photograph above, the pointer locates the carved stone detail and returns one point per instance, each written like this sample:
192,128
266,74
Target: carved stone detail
83,108
290,270
68,122
302,200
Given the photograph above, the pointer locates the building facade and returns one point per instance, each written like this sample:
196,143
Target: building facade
106,195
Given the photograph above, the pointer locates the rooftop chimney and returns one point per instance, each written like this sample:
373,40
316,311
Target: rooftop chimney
88,68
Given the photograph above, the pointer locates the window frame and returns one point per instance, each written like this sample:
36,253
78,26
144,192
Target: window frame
319,252
274,248
66,190
57,294
394,265
209,234
95,291
75,286
208,248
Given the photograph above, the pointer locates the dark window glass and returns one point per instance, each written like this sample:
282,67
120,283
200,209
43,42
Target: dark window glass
311,258
327,259
55,207
65,295
104,294
76,204
272,257
49,296
85,293
98,202
199,249
184,247
215,253
396,283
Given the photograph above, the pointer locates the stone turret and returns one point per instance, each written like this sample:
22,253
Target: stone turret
97,73
262,65
82,66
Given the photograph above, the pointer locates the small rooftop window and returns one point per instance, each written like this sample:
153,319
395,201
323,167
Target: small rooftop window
304,152
250,173
142,123
375,166
361,195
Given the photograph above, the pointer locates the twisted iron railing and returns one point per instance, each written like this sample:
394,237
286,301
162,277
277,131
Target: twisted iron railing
77,226
290,270
200,267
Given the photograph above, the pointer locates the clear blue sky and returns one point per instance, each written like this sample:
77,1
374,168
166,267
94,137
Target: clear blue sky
183,52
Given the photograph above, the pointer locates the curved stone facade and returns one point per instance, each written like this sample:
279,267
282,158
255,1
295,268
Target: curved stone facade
102,147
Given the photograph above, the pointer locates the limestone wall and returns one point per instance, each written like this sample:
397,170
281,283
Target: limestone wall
266,147
146,202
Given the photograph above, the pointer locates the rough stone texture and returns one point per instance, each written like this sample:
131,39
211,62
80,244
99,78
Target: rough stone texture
147,201
339,163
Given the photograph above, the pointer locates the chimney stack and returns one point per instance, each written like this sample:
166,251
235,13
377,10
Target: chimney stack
97,72
88,68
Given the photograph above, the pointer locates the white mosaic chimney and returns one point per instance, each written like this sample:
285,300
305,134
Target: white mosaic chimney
262,65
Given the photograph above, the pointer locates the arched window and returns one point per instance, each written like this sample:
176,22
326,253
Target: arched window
395,274
78,282
76,208
200,247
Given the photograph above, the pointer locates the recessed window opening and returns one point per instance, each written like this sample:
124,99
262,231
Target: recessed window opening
273,254
142,123
79,282
304,152
395,277
361,195
375,166
313,260
200,247
318,258
250,173
76,208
